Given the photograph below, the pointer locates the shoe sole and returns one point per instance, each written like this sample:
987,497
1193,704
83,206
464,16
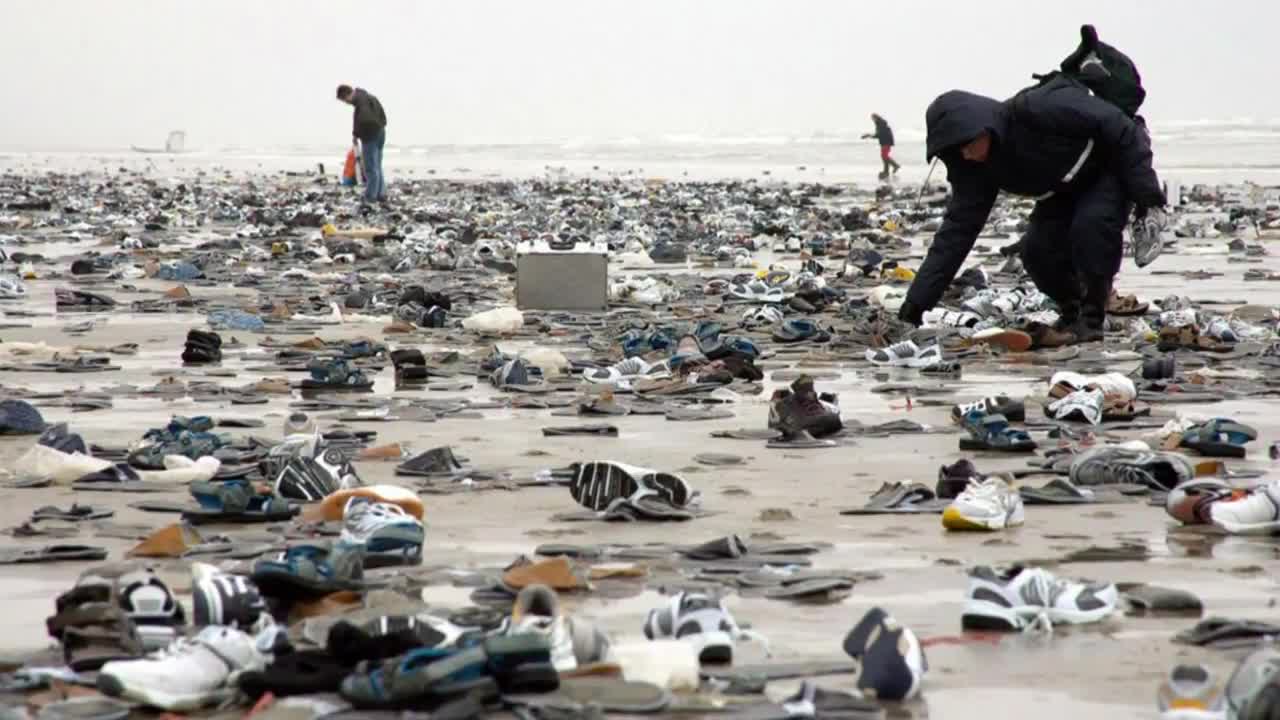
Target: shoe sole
111,686
597,485
954,519
1267,528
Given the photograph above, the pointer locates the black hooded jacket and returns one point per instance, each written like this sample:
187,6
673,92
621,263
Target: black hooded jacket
883,133
368,118
1038,137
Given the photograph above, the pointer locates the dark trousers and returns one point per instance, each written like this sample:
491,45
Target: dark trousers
1074,246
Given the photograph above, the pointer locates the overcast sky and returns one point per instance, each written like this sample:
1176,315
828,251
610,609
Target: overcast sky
107,73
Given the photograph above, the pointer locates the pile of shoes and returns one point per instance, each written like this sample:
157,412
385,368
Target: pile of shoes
114,613
202,348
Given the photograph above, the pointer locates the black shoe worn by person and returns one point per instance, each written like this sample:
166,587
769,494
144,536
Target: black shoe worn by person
801,409
1093,310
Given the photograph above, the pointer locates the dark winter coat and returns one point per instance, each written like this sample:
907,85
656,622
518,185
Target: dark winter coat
1038,138
883,133
368,118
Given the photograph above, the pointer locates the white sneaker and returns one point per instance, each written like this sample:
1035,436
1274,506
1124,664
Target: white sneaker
703,622
625,371
1019,597
950,318
537,610
188,675
763,315
905,354
1257,513
1082,405
987,504
1111,384
381,528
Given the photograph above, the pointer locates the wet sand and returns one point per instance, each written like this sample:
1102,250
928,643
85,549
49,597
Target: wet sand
1105,671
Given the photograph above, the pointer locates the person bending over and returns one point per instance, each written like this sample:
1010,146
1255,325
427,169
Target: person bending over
1082,158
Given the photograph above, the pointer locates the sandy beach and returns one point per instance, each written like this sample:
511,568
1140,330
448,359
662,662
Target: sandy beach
1109,670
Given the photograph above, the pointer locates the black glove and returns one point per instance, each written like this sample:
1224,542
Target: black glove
909,313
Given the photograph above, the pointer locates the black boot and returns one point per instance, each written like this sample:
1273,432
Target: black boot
1093,310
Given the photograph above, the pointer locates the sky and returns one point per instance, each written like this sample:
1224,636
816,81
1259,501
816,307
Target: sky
92,74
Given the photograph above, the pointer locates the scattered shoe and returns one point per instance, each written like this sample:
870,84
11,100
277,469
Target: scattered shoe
891,661
1191,692
1014,599
987,504
384,529
702,621
187,675
1012,410
905,354
802,410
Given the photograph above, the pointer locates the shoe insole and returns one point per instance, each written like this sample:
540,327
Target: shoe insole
799,443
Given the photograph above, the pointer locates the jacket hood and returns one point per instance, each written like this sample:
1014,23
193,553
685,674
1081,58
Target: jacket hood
956,117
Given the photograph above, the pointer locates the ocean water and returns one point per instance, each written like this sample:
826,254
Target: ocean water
1198,152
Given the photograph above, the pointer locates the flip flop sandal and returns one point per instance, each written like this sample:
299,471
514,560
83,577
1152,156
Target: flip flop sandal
817,589
1056,492
304,572
1154,599
718,459
778,671
1207,440
747,434
75,514
1218,632
611,694
691,414
585,552
234,422
50,553
992,432
590,430
799,441
164,506
1126,305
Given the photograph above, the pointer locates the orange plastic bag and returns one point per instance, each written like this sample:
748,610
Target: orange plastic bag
349,168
